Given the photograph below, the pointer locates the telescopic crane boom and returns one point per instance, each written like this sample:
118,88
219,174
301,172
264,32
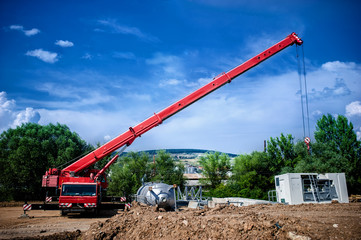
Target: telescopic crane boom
130,135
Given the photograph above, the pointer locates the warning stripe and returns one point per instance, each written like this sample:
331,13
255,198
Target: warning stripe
123,199
48,199
65,205
27,207
90,205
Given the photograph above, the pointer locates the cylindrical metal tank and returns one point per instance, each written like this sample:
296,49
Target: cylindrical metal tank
160,194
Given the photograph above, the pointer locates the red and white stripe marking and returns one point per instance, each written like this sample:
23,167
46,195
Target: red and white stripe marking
27,207
48,199
90,205
65,205
128,205
123,199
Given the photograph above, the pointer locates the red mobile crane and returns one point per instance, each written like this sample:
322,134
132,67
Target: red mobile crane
81,188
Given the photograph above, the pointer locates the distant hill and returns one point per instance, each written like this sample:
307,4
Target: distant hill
185,152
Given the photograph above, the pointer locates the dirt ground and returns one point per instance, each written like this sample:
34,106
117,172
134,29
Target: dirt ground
44,223
307,221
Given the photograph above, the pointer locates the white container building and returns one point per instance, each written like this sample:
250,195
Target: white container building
298,188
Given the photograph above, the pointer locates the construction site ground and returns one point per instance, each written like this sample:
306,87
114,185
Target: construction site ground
306,221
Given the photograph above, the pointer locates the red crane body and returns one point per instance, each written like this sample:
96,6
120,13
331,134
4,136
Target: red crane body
55,177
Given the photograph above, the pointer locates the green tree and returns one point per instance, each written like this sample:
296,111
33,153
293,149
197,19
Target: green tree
322,160
339,134
281,153
28,150
336,150
133,169
252,177
215,168
166,170
128,172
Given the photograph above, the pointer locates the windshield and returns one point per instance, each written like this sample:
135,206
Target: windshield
78,190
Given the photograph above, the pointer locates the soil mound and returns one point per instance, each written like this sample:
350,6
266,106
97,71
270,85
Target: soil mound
310,221
302,222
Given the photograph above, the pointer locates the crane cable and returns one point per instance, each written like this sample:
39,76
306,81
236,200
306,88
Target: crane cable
303,85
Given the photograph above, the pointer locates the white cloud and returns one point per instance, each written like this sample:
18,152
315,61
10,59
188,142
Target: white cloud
16,27
236,118
239,116
258,43
6,111
68,91
353,109
63,43
339,88
5,104
171,82
330,91
358,134
94,125
124,55
114,27
163,59
169,70
180,71
316,114
138,97
28,33
10,118
31,32
107,138
204,81
337,66
46,56
87,56
29,115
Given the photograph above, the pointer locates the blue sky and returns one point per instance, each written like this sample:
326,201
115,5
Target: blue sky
103,66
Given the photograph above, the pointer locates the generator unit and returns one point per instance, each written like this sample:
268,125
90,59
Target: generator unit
298,188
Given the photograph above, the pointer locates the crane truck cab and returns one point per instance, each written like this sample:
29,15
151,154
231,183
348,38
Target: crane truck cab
79,197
